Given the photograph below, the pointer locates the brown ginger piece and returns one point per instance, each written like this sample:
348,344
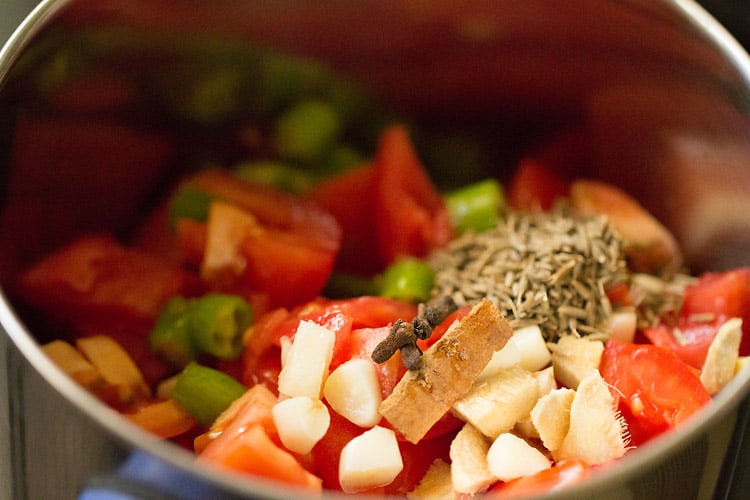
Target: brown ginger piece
448,370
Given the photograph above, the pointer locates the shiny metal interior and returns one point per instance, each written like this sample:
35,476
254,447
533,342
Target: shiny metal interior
659,86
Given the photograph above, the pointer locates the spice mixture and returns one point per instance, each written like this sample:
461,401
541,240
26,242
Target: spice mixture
550,269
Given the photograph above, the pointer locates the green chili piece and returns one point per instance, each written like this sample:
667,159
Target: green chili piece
407,279
188,202
217,322
307,130
476,207
205,392
171,337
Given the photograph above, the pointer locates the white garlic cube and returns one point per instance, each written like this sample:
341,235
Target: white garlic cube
370,460
353,391
301,422
306,361
534,352
511,457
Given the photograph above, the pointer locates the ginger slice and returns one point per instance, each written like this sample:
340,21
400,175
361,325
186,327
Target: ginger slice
723,353
436,484
449,369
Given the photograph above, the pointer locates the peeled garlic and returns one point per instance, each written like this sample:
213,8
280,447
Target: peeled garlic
301,422
353,391
370,460
511,457
306,361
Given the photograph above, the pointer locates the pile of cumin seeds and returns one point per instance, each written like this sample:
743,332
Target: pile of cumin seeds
545,268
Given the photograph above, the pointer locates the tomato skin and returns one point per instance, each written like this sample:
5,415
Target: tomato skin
343,197
411,218
96,277
535,186
719,296
285,269
724,294
659,390
287,245
695,339
560,475
327,452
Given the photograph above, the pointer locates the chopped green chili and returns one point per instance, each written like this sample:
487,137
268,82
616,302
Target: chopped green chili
213,324
217,322
407,279
205,392
188,202
171,336
476,207
307,130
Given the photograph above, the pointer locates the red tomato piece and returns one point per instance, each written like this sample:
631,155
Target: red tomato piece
373,312
288,270
557,477
347,197
327,452
253,452
723,294
249,443
535,186
288,252
659,390
97,281
708,303
692,344
410,215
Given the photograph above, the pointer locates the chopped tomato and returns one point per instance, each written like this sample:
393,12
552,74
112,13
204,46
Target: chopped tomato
689,341
55,160
723,294
619,295
372,312
252,451
410,215
249,443
347,197
708,303
535,186
95,281
286,253
327,452
656,387
560,475
261,359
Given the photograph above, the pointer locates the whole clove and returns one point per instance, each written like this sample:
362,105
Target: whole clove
404,335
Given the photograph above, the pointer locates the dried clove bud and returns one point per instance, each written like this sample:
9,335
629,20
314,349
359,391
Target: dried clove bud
438,309
404,335
401,334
